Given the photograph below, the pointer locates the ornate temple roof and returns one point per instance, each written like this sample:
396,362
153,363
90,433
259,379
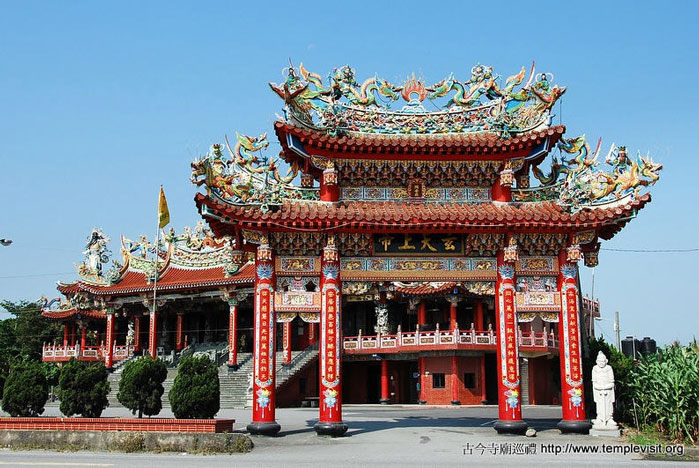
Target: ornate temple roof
297,215
73,313
195,259
485,145
171,279
482,103
483,133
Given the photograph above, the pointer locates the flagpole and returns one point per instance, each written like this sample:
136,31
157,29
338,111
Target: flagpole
163,220
155,279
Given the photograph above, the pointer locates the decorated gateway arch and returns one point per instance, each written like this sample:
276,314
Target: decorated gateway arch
424,239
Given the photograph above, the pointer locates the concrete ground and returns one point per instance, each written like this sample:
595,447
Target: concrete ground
378,436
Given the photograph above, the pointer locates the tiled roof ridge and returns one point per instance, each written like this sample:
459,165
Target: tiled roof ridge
432,140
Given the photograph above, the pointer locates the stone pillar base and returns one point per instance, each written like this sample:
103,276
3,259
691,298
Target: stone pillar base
333,429
574,427
455,403
605,432
385,401
510,427
422,402
264,428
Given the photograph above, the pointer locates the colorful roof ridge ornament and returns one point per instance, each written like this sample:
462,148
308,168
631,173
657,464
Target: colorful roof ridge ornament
246,178
476,105
578,182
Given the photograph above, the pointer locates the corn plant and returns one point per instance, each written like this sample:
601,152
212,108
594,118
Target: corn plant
665,392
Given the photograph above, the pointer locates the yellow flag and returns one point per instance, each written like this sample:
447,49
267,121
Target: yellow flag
163,211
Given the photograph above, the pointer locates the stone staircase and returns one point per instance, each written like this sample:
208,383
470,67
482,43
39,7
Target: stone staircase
234,385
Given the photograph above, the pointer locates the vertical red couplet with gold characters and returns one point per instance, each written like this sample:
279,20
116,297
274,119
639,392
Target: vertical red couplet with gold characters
152,332
572,394
263,386
109,356
330,420
509,392
232,330
286,342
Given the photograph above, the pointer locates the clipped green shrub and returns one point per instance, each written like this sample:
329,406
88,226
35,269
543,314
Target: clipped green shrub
195,394
83,389
141,386
26,391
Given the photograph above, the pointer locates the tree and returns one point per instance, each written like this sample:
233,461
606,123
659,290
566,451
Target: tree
26,390
195,394
29,328
141,386
8,349
83,389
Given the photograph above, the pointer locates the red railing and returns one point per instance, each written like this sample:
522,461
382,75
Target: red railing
55,353
441,339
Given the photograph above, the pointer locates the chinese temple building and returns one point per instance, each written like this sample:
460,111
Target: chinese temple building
437,257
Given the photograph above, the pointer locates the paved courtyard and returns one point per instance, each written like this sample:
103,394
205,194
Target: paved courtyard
378,436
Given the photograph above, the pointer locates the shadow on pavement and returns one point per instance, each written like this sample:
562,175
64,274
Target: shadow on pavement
360,427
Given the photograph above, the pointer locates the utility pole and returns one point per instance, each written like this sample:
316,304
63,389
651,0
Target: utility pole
617,330
591,309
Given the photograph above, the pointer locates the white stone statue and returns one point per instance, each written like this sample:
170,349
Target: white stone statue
130,334
381,326
603,391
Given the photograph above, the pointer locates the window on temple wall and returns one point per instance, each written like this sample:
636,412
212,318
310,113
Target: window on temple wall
469,380
437,380
310,286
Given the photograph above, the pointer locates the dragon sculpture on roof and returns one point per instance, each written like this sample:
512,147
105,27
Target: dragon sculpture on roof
477,104
247,177
578,182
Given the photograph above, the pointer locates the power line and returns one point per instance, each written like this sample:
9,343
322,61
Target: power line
36,275
651,250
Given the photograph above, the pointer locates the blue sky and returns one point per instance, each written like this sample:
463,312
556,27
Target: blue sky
101,103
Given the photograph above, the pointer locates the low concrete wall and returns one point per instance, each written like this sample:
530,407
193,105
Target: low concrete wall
126,441
118,424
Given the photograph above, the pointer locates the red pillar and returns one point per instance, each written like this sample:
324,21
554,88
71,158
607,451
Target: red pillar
179,335
572,395
137,333
455,381
479,318
152,332
312,333
385,395
286,341
233,332
83,337
73,328
452,314
264,387
422,313
109,358
65,333
501,193
330,385
509,392
329,190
